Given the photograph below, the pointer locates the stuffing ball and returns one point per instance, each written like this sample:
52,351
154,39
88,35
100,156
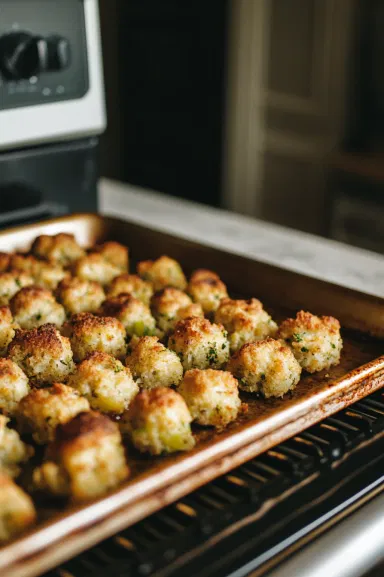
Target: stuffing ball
162,272
43,354
315,341
17,511
13,386
172,305
61,249
212,396
206,288
79,296
44,274
11,283
13,452
266,367
94,267
105,382
34,306
114,253
43,410
153,365
133,285
200,344
89,333
86,459
245,321
158,421
5,260
7,329
132,313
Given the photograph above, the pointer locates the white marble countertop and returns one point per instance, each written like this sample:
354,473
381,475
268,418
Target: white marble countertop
304,253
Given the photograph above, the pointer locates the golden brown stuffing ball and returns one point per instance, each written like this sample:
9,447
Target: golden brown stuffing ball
89,333
7,329
5,260
105,382
43,410
163,272
94,267
114,253
86,459
245,321
13,452
34,306
11,282
44,274
79,296
158,421
43,354
133,285
212,396
17,511
132,313
61,249
266,367
200,344
153,365
14,386
315,341
206,288
171,305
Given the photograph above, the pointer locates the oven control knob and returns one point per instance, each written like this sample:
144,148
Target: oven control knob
59,54
22,55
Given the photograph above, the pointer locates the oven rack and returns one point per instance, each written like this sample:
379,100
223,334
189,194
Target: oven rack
259,513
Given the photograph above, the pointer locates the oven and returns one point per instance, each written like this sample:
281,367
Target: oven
300,508
51,108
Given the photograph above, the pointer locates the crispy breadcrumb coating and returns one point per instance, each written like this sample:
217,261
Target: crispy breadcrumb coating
34,306
114,253
79,296
199,344
163,272
153,365
105,382
212,396
61,249
43,354
14,386
245,321
315,341
206,288
17,512
133,285
89,333
131,312
267,367
158,421
86,460
42,410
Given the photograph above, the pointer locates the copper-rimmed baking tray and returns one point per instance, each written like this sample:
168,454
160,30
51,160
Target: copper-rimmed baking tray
157,482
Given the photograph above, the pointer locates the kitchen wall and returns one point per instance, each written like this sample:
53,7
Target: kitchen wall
286,106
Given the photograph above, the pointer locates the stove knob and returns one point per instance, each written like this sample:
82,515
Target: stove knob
22,55
59,55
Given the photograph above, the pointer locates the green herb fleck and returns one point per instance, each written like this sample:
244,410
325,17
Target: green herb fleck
118,368
223,346
333,346
304,350
212,355
262,377
38,317
18,282
297,337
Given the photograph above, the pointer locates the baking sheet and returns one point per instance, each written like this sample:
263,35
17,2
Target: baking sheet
156,482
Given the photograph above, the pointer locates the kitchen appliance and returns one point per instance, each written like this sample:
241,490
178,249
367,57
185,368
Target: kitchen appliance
51,107
312,466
